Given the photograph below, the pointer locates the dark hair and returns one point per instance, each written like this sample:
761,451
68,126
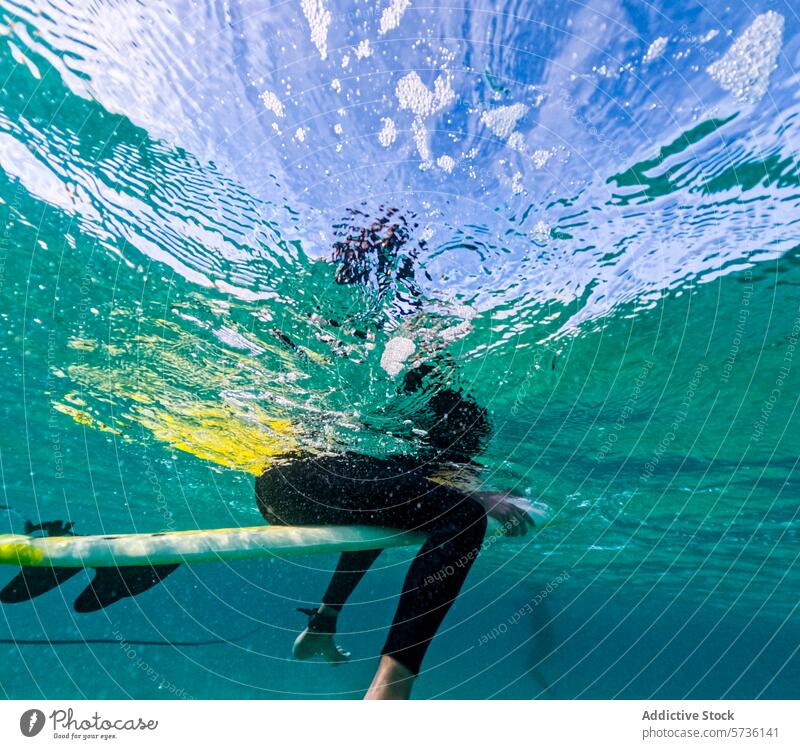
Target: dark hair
460,427
376,251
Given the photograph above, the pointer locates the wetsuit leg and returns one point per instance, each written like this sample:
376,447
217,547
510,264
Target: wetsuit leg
353,565
434,581
355,490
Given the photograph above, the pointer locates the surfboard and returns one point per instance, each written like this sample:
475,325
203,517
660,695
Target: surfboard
218,545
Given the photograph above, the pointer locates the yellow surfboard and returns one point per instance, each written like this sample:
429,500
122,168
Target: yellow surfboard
223,544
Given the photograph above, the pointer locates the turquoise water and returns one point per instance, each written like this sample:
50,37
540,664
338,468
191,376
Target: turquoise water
603,205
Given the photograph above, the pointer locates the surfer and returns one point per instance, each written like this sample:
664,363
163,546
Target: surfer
403,492
396,492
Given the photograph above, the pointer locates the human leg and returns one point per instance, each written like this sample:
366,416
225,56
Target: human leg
317,638
357,490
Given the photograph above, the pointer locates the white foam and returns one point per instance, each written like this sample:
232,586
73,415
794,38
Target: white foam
319,19
363,49
272,103
540,157
443,92
516,141
300,134
465,311
454,332
541,231
516,183
388,133
655,50
414,95
395,353
503,120
390,18
336,85
745,68
446,163
421,141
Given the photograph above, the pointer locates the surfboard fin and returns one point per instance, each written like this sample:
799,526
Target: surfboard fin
34,581
112,584
50,528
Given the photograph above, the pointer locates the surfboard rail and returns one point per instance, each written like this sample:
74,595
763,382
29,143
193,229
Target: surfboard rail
218,545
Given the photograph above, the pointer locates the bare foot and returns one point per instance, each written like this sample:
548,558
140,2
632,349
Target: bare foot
312,644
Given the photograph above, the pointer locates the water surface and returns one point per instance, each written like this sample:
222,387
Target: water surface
602,200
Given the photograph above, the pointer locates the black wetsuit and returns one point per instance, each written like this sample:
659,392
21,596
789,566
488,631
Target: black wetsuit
395,492
359,490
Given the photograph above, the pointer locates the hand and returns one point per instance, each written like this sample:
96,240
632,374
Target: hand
499,506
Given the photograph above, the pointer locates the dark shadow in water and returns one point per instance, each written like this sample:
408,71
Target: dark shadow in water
543,642
114,641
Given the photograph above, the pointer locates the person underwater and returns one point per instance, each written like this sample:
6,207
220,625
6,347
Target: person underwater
395,492
402,492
